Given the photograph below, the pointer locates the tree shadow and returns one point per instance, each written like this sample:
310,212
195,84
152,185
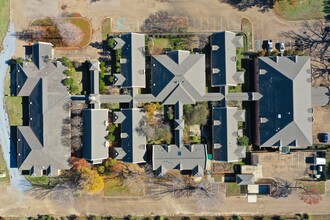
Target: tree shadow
243,5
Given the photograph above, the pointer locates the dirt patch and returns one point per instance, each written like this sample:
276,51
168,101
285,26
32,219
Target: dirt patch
289,167
321,121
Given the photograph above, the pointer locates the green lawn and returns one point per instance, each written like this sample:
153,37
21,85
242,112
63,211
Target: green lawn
77,77
106,28
4,19
248,30
14,109
6,86
233,189
162,42
112,106
43,181
114,187
304,10
320,185
3,168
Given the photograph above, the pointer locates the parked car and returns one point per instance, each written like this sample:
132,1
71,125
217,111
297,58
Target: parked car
323,137
320,169
319,161
267,45
280,46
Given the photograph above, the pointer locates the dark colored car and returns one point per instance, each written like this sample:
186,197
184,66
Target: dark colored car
323,137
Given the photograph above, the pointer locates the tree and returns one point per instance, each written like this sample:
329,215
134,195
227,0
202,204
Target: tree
79,164
314,39
163,22
71,34
197,115
178,186
311,196
150,108
326,9
284,189
243,141
91,182
242,5
162,134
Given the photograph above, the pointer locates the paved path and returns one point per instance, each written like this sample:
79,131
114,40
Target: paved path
17,180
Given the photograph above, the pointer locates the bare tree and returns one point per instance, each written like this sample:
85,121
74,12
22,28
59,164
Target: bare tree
70,33
178,186
314,39
284,189
163,22
30,34
76,121
76,143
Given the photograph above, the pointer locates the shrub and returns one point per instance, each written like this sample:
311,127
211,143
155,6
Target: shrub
68,82
111,43
66,62
110,162
111,128
19,60
101,169
111,137
243,141
68,72
111,79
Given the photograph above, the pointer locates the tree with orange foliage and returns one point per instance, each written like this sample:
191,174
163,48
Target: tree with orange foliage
90,181
150,108
79,164
311,196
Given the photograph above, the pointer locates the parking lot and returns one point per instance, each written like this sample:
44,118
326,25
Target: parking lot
289,167
196,24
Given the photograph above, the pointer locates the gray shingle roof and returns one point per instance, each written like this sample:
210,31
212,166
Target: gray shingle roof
225,135
39,145
42,53
178,76
223,58
95,147
132,142
245,179
94,69
284,108
192,157
133,51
